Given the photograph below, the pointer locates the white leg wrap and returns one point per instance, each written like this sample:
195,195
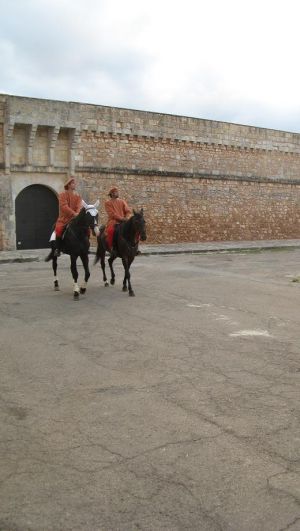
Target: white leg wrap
84,284
76,287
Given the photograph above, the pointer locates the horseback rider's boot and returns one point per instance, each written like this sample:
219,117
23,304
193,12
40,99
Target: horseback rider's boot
57,250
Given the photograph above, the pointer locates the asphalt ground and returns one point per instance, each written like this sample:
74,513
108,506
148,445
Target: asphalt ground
177,409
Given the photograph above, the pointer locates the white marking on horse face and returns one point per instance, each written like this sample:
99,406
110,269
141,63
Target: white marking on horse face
251,333
97,231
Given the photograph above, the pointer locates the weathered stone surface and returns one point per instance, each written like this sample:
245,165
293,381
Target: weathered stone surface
198,180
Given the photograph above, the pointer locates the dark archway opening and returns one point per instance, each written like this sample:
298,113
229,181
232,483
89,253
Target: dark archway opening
36,212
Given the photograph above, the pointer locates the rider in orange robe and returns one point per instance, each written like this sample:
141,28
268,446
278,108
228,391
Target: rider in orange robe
117,210
70,204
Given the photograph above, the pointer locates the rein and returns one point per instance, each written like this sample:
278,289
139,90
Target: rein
130,238
75,222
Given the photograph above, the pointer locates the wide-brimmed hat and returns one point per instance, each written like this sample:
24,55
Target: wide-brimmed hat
112,190
68,181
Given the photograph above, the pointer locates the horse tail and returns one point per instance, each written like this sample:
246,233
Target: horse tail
98,254
100,245
97,257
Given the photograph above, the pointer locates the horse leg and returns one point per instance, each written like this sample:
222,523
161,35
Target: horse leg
126,282
85,263
125,265
130,290
53,258
54,267
102,262
75,276
110,263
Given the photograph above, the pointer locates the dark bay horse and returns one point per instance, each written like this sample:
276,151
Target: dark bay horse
127,239
76,243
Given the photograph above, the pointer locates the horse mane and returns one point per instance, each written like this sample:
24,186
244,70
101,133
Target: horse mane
126,228
80,217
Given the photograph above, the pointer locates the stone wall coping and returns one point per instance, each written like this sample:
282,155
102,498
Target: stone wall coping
152,125
185,175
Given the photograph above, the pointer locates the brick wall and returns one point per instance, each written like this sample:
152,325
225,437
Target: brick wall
198,180
146,153
179,209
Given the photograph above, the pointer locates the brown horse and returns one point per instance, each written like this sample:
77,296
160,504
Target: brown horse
127,236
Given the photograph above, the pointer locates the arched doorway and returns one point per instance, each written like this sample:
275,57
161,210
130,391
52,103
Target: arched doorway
36,211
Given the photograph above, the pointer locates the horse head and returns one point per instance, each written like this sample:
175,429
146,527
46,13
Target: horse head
91,216
139,224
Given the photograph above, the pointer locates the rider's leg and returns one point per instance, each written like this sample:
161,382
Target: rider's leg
109,237
115,240
58,240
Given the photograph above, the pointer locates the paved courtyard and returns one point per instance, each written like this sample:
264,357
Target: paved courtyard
174,410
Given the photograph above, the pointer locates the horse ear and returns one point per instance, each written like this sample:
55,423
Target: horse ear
142,211
84,204
133,211
97,203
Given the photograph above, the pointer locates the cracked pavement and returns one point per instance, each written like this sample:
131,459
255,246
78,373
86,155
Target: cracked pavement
174,410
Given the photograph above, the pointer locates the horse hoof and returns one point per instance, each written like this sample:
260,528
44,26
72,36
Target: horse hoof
76,296
82,290
131,294
56,288
124,288
112,282
106,284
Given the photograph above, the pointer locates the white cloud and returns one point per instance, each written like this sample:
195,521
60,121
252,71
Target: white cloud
233,61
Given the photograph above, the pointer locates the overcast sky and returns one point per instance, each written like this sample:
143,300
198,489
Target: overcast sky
228,60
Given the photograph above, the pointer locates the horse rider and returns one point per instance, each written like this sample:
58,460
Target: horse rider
117,211
70,204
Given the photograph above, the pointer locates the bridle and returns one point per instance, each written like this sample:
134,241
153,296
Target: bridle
138,224
94,213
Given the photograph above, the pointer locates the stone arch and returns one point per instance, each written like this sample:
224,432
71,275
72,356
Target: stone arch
36,210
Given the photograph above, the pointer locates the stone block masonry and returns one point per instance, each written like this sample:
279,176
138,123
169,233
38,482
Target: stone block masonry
197,180
182,209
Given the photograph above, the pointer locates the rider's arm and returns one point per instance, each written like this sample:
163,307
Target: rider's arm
78,205
126,209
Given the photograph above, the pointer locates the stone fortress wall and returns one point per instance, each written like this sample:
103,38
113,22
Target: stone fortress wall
197,180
